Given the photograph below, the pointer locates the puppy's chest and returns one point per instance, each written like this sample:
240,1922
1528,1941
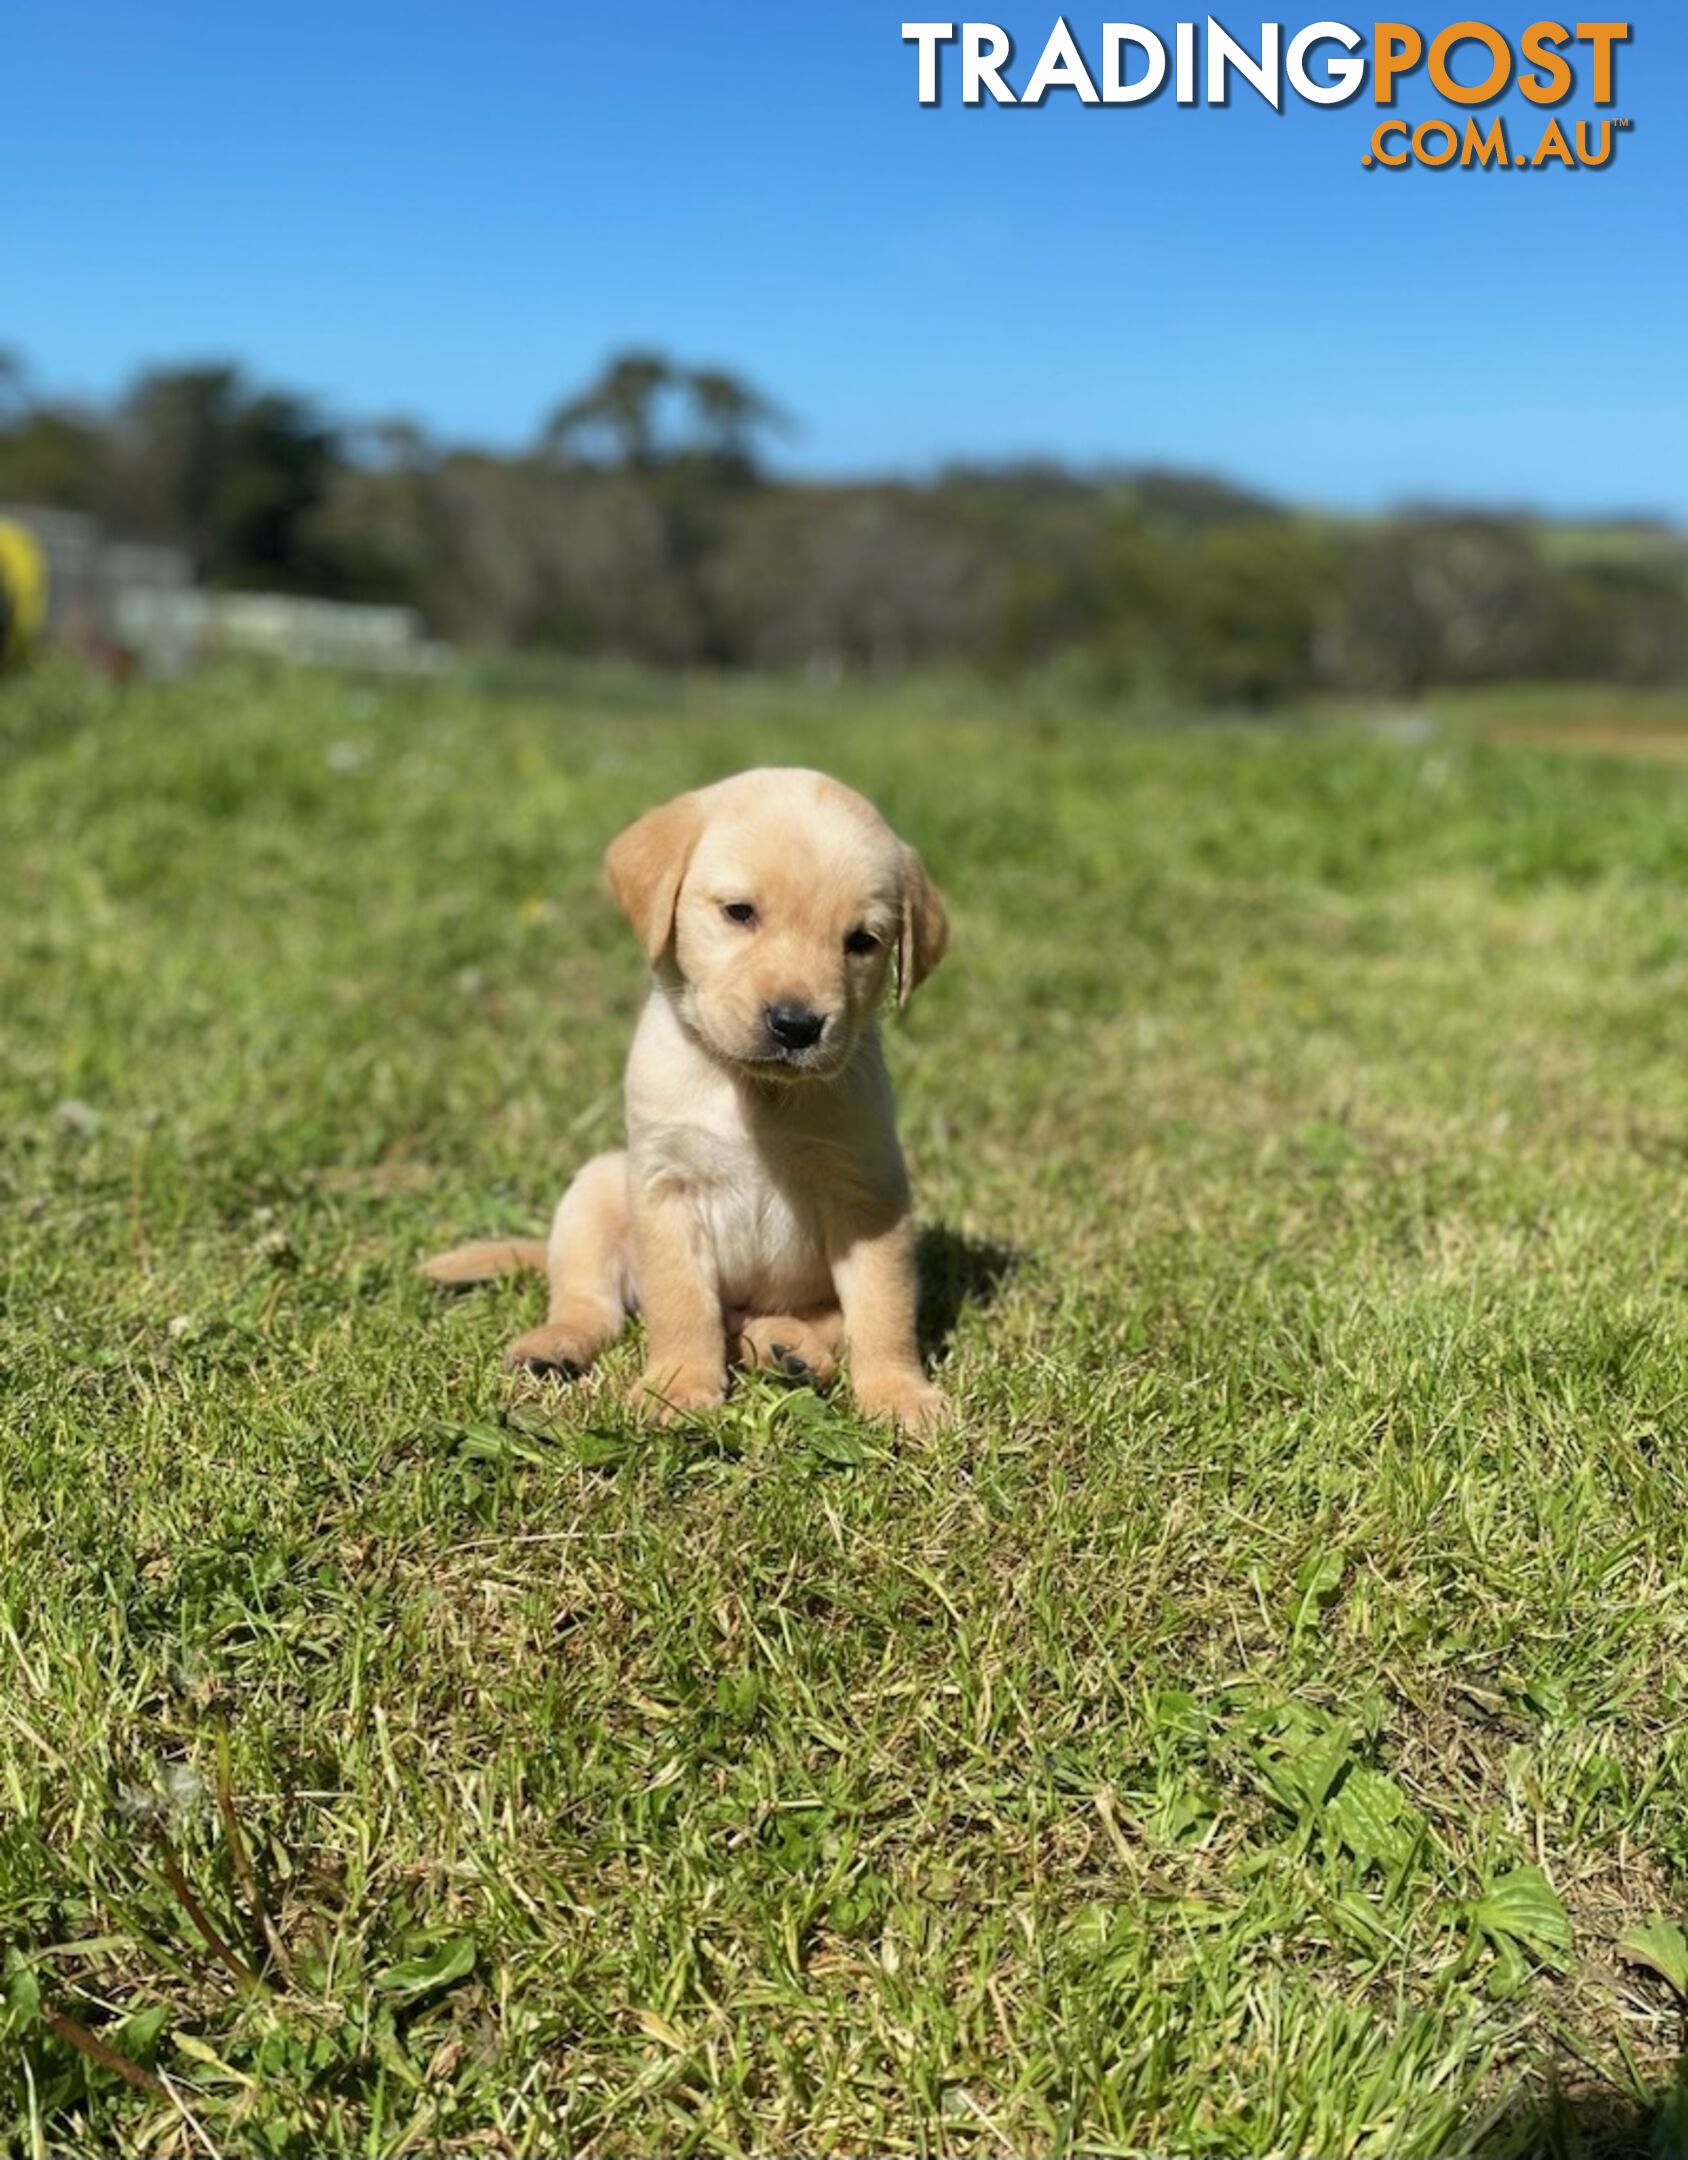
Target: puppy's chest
765,1230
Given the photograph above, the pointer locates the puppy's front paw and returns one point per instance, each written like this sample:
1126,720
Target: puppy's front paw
909,1400
558,1353
662,1394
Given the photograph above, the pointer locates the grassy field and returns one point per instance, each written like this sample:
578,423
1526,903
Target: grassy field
1254,1728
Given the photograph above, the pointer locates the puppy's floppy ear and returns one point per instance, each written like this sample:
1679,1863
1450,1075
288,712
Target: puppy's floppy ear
646,866
924,929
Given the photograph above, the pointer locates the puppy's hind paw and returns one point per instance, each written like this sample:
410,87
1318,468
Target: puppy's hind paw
790,1347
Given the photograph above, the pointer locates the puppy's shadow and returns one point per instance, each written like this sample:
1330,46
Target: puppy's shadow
956,1271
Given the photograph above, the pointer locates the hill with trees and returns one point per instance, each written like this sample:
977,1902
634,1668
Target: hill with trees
644,520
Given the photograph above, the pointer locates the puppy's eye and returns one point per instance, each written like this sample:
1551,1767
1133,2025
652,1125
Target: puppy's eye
739,911
861,941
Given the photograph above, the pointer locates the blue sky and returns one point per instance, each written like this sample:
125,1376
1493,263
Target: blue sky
456,212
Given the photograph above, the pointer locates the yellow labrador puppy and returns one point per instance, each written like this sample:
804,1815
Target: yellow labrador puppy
760,1211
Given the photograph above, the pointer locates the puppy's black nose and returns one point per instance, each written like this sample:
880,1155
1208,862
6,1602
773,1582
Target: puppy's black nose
793,1027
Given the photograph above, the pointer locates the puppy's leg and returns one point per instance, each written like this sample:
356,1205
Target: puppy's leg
686,1363
874,1271
589,1265
797,1348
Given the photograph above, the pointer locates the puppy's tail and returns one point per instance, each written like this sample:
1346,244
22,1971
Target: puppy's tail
480,1263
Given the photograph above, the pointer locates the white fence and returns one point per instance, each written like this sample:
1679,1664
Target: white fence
171,629
143,600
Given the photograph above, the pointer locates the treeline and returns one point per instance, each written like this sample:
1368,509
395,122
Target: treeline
643,521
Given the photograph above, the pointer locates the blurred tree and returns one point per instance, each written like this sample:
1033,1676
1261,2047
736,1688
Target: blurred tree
619,411
1130,589
173,432
849,577
14,387
729,415
56,458
1181,506
1435,598
644,411
275,470
1246,613
686,440
240,478
393,443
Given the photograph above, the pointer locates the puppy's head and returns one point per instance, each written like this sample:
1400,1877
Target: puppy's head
773,907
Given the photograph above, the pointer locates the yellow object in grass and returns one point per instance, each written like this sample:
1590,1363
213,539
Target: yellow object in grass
23,592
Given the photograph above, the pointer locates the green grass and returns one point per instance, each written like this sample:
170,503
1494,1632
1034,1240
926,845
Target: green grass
1250,1730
